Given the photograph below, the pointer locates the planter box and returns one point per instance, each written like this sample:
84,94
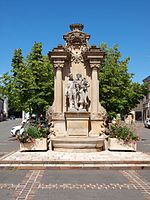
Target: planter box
115,144
37,145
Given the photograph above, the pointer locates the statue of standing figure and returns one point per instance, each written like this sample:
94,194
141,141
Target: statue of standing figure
71,93
77,93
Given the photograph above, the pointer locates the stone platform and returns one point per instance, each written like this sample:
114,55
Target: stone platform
78,144
64,160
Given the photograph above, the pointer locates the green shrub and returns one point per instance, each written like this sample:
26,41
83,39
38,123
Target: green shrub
32,132
24,138
123,132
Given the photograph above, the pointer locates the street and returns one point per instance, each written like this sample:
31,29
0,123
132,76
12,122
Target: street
7,142
72,184
144,143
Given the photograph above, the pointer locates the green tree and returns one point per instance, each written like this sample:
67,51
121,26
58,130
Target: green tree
30,85
12,83
118,94
40,84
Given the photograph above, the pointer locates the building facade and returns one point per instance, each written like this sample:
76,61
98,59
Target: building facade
142,110
146,100
139,111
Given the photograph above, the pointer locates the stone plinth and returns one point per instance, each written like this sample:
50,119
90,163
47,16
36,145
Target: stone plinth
78,144
77,123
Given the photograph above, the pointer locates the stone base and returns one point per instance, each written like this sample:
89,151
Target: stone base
37,145
77,123
96,125
59,124
119,145
77,144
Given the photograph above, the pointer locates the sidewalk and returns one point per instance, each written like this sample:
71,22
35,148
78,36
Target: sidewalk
64,160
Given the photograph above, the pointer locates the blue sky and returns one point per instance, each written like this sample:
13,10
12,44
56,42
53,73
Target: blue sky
122,22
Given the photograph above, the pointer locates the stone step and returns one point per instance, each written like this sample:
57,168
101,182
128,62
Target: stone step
78,144
72,165
64,160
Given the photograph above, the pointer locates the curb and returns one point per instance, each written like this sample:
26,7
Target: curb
65,165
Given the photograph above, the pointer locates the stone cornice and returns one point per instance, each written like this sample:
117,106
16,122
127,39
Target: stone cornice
58,54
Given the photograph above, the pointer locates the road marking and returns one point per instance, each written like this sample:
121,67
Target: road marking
88,186
5,156
139,182
7,186
27,189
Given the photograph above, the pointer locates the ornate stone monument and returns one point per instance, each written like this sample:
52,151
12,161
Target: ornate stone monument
76,114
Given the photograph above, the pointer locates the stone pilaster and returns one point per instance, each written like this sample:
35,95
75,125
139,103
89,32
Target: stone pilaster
94,88
58,65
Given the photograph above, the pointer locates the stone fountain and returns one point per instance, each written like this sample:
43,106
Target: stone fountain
76,116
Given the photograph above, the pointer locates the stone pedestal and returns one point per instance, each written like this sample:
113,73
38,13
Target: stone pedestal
77,123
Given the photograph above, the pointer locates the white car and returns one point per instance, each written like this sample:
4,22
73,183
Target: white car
16,129
147,123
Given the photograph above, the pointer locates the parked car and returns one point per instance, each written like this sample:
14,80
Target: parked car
147,123
12,117
16,129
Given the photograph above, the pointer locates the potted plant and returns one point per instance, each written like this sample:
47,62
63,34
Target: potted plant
33,138
122,137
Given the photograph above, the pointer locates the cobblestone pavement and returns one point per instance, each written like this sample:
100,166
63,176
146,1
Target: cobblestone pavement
74,184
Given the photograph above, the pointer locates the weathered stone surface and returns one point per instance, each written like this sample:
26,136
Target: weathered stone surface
115,144
36,145
78,144
76,110
77,123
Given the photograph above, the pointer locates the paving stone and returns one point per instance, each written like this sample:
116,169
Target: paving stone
84,176
64,156
143,173
89,194
12,176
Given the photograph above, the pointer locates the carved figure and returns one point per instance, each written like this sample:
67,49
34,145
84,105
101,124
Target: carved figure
77,93
84,93
71,93
78,88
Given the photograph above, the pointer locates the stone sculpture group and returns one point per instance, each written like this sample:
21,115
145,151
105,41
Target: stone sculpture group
77,93
76,116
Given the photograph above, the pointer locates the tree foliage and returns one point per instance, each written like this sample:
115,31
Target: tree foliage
30,85
12,83
118,94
